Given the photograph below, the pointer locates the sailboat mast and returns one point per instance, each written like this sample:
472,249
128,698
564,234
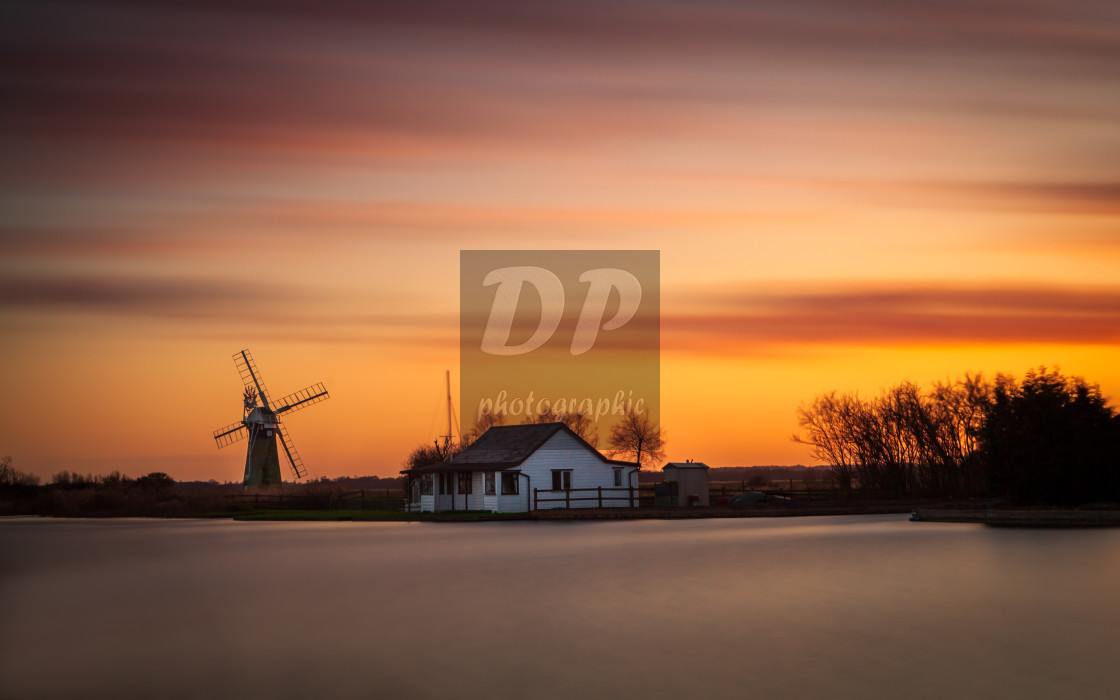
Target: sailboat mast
449,408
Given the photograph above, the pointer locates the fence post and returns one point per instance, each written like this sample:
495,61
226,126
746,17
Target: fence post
631,496
568,498
535,503
600,496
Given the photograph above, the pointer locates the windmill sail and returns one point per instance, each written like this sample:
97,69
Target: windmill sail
290,450
230,434
302,398
250,375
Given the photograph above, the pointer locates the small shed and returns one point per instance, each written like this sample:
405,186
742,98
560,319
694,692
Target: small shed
692,482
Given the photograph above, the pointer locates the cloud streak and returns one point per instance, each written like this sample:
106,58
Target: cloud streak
146,296
206,308
749,321
738,320
305,77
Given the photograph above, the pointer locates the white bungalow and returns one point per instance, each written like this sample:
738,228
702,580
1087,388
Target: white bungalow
515,468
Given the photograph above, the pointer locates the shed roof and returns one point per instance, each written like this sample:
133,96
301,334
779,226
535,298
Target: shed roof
507,446
685,465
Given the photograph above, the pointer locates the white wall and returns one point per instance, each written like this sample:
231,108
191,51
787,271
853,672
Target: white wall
516,503
563,451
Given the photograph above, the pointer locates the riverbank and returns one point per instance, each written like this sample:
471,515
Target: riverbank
1003,517
1022,517
646,513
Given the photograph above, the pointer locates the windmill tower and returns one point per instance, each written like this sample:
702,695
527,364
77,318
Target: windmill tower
260,423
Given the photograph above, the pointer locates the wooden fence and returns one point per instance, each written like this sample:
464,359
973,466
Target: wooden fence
643,496
595,498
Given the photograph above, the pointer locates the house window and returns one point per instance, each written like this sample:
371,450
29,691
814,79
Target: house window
618,476
488,483
426,483
445,483
466,483
510,483
561,479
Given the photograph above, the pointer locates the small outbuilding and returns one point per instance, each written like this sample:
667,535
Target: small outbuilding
691,479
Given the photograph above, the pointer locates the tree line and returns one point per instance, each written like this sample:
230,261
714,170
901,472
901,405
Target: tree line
1048,438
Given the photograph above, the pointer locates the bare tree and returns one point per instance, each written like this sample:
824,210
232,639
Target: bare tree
905,441
430,453
579,424
10,476
484,423
829,423
637,435
960,408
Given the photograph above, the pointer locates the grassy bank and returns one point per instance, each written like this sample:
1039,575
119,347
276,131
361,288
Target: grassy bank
1023,517
331,502
760,511
372,516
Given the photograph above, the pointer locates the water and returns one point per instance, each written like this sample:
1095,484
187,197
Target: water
845,607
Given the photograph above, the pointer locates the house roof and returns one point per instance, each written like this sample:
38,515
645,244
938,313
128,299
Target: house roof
506,447
686,465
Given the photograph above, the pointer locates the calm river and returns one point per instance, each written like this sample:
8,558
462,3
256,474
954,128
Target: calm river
843,607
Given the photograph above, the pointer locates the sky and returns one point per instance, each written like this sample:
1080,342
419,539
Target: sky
845,194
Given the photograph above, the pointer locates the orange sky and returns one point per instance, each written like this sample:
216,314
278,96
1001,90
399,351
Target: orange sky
844,194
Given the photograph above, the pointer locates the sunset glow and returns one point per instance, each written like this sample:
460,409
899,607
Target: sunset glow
844,194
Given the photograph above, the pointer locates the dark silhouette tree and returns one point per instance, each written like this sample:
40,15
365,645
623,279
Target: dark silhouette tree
1048,439
115,479
1051,439
638,436
430,453
155,481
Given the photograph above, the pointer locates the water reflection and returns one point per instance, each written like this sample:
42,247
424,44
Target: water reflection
851,607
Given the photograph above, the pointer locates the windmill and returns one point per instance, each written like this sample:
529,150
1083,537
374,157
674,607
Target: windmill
260,423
